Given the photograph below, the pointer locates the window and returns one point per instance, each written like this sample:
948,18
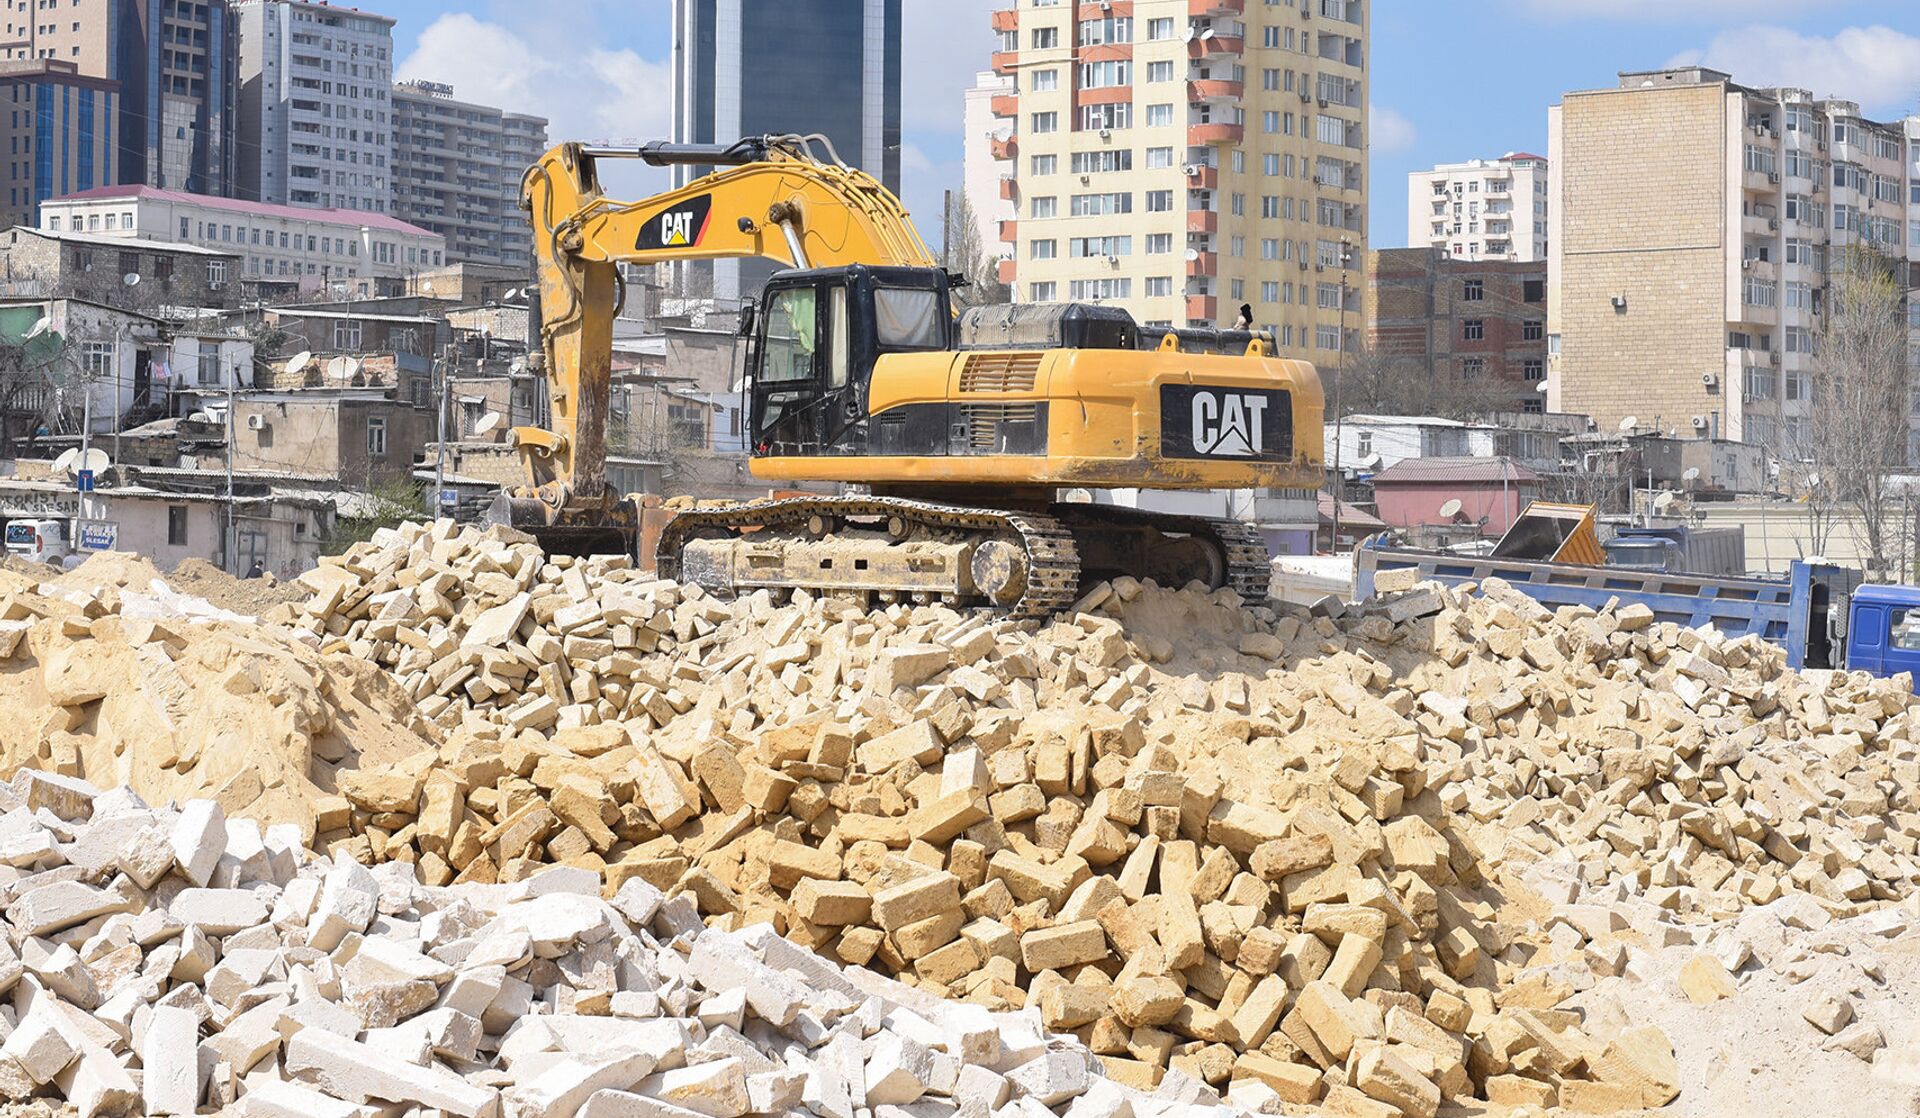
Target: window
1269,248
1159,157
1159,72
176,525
1758,384
1079,290
1270,38
1269,205
1473,329
1473,290
1326,337
1093,205
1045,81
1111,29
791,331
1532,330
1099,162
1270,165
1270,79
1533,291
1237,203
216,273
1534,368
908,317
1044,164
376,436
1472,368
1270,122
1799,339
1105,75
1159,287
1044,207
1046,38
1237,246
1159,244
1040,123
1799,296
1159,28
1100,246
1041,250
1327,296
1270,291
1099,118
1159,116
1042,292
1759,292
1159,201
346,334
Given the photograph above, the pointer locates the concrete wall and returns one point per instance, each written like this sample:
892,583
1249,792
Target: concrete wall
1642,202
329,437
1406,504
35,265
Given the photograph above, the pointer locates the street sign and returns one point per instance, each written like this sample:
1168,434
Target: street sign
83,480
98,535
449,496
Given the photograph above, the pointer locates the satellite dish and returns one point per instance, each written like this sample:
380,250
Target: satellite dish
131,279
1813,480
1451,509
94,459
200,417
512,294
1629,423
298,363
339,368
1691,473
1207,34
354,366
64,463
487,423
40,327
1190,33
1662,501
1192,255
1542,388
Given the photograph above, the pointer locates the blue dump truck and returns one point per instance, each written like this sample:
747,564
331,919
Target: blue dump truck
1823,615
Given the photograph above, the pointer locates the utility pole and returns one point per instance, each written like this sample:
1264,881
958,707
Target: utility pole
233,521
946,231
440,430
1339,382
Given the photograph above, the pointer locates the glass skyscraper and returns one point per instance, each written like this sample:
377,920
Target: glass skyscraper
750,67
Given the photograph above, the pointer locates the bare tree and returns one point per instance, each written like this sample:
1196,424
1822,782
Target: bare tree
1371,382
967,254
1855,432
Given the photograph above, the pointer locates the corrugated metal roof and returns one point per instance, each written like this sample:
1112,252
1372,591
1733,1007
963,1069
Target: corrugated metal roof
1463,469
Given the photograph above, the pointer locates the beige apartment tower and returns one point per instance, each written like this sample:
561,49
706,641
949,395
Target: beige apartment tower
1692,223
1180,158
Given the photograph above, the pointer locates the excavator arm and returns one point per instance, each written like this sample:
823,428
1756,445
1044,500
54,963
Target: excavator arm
770,197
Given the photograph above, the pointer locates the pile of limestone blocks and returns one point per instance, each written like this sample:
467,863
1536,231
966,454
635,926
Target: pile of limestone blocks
173,962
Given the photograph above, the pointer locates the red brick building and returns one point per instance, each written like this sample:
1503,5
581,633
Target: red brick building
1475,320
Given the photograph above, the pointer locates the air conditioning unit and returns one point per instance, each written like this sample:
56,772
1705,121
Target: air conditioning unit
256,422
1699,422
1746,265
1086,180
1107,134
1709,381
1773,176
1319,267
1322,102
1303,265
1773,223
1190,170
1306,94
1819,185
1306,10
1113,261
1773,357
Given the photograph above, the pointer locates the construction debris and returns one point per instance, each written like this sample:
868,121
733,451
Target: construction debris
1367,858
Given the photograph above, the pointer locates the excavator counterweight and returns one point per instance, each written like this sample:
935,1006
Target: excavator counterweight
941,448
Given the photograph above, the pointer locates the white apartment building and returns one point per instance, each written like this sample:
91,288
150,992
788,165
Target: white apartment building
315,111
1688,286
283,248
1483,209
457,168
1181,158
989,192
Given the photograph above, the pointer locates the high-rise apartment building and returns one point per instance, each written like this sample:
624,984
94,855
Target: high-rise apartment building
1688,282
315,118
1483,209
176,65
58,127
457,169
1478,326
751,67
1181,158
989,191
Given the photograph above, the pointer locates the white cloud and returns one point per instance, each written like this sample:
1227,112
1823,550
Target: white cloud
1876,66
1388,131
595,94
1671,11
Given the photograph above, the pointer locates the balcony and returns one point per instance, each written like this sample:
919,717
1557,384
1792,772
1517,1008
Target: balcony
1766,182
1006,19
1004,149
1009,188
1203,221
1202,309
1199,135
1765,224
1215,89
1217,46
1203,264
1004,104
1759,269
1009,231
1208,9
1005,61
1203,178
1006,271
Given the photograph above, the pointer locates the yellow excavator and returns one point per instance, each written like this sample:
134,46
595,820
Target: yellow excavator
950,439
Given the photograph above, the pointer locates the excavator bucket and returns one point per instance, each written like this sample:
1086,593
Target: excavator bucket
1553,533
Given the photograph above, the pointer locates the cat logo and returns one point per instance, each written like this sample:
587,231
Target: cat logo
1229,424
681,226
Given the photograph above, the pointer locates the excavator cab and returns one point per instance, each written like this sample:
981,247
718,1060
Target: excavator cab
813,345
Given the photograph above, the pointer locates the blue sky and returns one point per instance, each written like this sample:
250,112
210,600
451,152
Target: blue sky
1453,79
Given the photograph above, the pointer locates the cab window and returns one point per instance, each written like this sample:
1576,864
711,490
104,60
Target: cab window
791,336
1905,633
837,337
908,318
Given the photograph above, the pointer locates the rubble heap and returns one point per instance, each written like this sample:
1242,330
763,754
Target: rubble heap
164,961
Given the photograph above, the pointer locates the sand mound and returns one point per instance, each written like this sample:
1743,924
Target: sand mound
250,596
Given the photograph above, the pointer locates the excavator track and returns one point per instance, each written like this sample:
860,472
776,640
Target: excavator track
1050,560
1238,545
